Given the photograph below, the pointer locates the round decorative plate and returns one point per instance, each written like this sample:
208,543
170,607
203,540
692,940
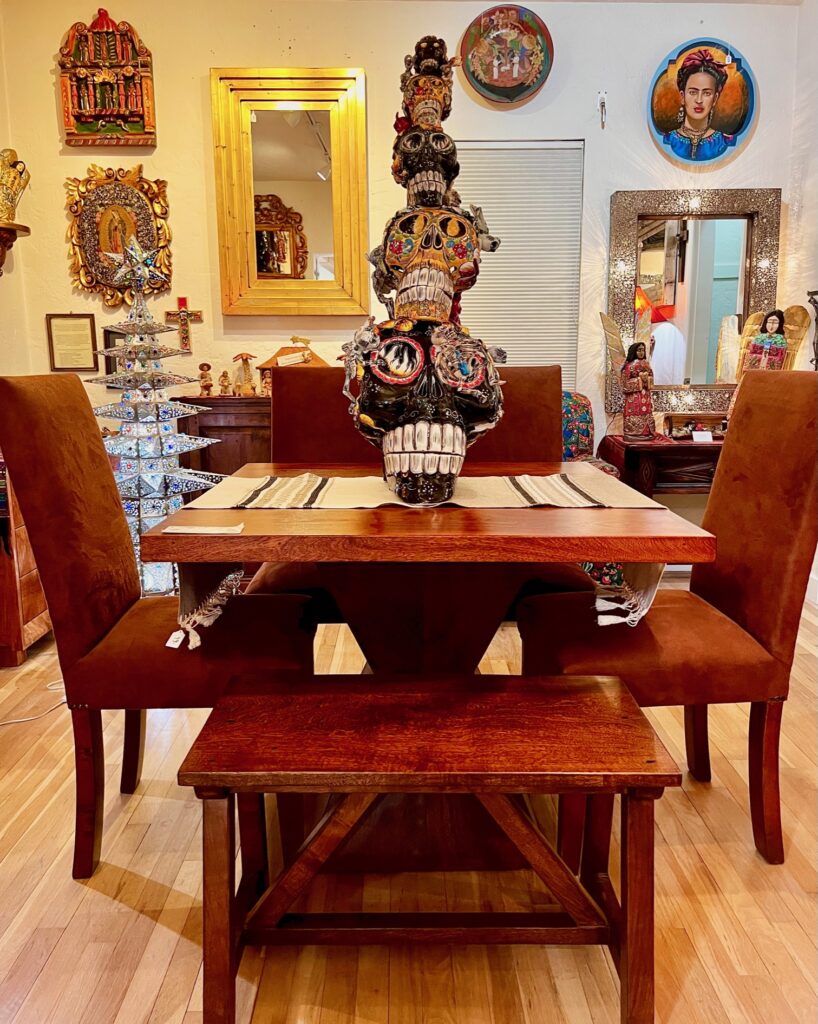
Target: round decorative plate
507,54
702,102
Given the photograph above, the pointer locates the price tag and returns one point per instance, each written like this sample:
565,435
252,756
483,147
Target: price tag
703,435
176,639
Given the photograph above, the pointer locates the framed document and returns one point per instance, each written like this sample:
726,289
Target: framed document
72,342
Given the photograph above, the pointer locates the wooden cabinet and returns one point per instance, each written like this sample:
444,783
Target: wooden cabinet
662,466
242,425
23,611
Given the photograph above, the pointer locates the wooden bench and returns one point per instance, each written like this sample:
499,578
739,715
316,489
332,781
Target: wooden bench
491,736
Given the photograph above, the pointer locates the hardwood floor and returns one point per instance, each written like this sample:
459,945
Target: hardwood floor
735,942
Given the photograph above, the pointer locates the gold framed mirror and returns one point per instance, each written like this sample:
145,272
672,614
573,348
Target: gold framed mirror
291,190
702,260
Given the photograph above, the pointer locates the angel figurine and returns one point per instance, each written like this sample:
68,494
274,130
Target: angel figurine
637,381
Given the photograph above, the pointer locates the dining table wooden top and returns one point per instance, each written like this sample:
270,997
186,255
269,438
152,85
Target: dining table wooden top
394,533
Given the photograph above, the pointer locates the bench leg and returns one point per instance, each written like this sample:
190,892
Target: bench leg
636,937
219,876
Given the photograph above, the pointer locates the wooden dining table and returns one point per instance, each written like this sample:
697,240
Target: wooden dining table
451,610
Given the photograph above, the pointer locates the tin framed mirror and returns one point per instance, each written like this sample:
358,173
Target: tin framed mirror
701,260
291,190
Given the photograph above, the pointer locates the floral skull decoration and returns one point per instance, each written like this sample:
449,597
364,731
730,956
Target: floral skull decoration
420,387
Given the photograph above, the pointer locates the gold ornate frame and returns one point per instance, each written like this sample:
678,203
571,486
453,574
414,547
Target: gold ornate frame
146,204
272,214
237,93
761,207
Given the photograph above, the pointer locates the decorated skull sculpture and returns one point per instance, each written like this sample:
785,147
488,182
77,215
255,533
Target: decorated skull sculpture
424,161
425,394
420,387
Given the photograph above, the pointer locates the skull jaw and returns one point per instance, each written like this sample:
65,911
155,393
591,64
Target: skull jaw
422,488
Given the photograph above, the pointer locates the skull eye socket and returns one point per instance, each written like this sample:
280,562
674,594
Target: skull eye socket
413,223
453,227
441,142
411,142
397,361
460,366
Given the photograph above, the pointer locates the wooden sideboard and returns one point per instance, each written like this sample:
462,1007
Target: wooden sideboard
663,466
241,424
23,611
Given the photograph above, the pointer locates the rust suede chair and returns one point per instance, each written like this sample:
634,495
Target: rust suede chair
732,636
111,642
311,425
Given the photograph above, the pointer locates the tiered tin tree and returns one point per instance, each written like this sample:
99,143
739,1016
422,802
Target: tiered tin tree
147,445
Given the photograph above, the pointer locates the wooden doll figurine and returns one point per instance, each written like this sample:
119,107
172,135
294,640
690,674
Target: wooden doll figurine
637,381
225,386
205,380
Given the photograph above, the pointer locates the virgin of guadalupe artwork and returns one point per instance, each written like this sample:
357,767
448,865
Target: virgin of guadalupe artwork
702,102
507,54
637,380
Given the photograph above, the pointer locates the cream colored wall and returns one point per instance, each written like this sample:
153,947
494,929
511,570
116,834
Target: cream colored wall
610,46
14,350
313,200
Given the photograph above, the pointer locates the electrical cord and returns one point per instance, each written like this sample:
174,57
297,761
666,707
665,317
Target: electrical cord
33,718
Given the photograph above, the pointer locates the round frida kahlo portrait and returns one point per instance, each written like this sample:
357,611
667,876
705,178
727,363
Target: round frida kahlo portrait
702,102
507,53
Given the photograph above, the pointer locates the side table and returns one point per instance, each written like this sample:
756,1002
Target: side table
663,465
492,737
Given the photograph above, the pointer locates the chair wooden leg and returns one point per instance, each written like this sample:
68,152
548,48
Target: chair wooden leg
90,789
133,750
570,826
219,910
697,743
765,799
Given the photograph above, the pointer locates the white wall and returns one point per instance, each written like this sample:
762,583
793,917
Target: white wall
610,46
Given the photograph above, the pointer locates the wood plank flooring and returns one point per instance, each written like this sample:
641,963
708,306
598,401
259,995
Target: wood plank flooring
736,938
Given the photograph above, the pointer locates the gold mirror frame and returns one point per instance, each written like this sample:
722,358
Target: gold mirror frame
236,94
760,207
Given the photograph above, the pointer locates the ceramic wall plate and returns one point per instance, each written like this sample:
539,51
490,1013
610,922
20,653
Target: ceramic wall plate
507,54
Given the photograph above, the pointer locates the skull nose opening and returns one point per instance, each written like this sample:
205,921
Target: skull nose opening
432,238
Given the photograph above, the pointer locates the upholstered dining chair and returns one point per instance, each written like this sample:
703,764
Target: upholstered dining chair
732,637
111,643
311,425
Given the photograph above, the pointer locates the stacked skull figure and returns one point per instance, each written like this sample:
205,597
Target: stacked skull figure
421,388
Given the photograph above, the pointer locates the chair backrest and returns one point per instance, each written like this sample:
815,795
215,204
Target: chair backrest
310,422
531,427
310,419
72,510
762,509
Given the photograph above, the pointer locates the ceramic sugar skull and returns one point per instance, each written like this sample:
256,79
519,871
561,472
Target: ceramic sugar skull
425,394
430,254
424,161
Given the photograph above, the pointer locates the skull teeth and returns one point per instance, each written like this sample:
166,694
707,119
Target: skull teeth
426,181
424,447
426,284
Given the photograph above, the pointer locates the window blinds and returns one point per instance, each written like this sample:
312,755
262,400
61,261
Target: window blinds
526,299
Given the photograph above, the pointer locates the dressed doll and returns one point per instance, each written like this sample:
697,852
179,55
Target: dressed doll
637,381
768,350
225,384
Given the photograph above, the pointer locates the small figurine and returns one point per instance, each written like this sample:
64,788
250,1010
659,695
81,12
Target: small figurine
768,350
243,384
205,380
637,381
224,383
267,383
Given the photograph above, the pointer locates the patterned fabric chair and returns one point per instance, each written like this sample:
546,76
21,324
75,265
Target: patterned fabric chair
578,446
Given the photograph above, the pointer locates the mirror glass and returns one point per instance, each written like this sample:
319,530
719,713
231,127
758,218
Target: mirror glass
292,186
691,273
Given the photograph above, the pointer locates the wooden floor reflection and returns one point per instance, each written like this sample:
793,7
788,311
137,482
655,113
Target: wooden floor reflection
735,936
